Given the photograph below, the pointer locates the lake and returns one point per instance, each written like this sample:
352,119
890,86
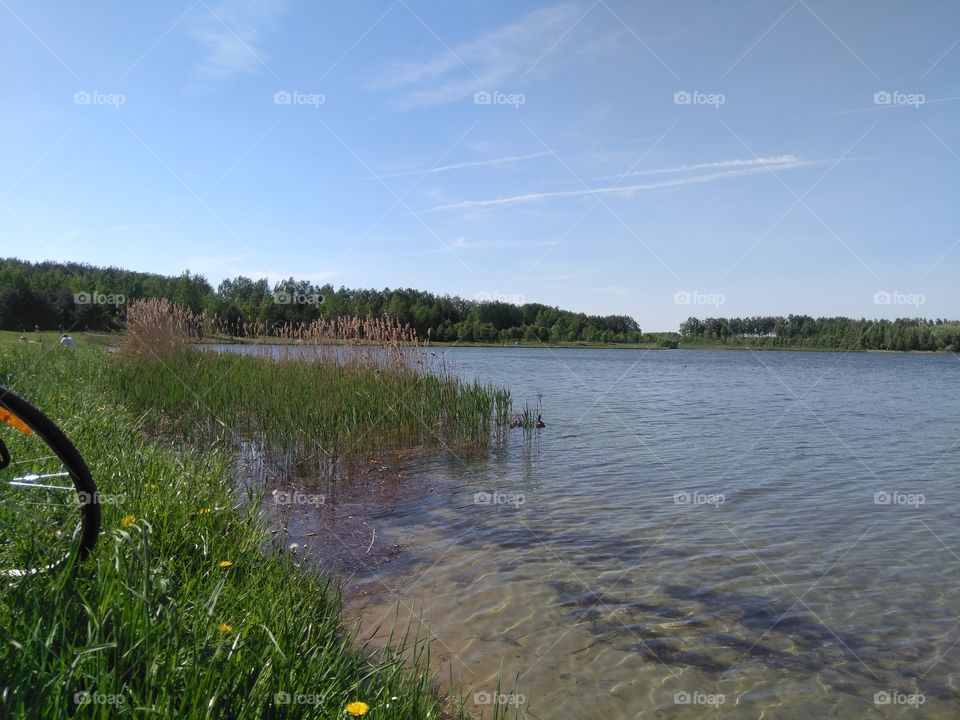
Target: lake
740,534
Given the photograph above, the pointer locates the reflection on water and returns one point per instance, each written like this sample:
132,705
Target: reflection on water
736,534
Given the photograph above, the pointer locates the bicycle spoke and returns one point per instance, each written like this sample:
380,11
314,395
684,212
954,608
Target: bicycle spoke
34,460
48,507
39,486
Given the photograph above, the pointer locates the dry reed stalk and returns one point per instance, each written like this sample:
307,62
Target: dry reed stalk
159,326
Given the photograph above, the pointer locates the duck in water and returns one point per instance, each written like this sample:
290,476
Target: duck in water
539,423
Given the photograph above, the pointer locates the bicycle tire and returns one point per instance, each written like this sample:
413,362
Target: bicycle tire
73,464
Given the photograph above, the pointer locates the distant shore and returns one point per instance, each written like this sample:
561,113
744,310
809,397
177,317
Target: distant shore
107,338
594,346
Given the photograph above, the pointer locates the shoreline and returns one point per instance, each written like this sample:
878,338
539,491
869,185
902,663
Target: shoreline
101,339
330,523
586,346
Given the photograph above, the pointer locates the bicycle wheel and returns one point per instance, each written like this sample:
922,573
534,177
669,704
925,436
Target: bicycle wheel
49,508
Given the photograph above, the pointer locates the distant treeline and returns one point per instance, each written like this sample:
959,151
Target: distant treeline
837,333
78,296
74,295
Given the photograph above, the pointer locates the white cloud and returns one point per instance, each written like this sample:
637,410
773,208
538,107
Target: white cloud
76,234
488,62
620,290
892,106
609,44
142,226
318,277
627,190
461,244
231,36
217,264
458,166
771,162
219,267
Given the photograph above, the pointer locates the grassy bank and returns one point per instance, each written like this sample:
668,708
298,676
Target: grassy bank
179,612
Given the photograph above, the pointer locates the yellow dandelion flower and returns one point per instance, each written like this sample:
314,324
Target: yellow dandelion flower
224,564
203,511
128,520
356,708
224,628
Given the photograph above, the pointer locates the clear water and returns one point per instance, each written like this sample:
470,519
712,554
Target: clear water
723,533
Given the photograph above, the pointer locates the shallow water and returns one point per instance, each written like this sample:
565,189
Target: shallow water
725,533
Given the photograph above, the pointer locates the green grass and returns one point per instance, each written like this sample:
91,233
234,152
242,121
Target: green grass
151,625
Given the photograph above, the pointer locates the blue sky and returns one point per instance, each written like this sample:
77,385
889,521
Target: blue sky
654,159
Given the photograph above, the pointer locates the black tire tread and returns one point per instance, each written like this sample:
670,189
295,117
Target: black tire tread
71,459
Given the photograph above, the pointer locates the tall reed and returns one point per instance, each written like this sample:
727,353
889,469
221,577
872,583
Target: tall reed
343,388
159,326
